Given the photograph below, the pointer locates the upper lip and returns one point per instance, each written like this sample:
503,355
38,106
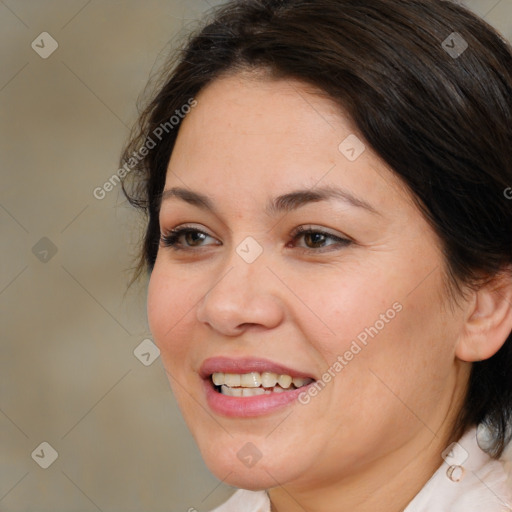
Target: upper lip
246,365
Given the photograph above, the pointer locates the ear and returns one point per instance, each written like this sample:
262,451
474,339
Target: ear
488,320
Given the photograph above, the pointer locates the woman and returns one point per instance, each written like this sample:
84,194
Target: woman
329,243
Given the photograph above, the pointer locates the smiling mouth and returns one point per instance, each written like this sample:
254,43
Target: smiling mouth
255,383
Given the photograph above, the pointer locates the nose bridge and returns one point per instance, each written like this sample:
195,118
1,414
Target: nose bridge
246,256
243,292
244,271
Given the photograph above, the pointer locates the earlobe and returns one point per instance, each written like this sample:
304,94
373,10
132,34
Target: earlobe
489,320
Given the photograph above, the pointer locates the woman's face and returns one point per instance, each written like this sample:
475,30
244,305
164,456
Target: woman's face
357,304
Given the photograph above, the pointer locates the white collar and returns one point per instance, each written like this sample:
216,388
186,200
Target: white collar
485,485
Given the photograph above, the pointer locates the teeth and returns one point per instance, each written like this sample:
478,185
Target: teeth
269,379
255,380
218,379
252,392
231,379
298,382
254,383
285,381
226,390
250,380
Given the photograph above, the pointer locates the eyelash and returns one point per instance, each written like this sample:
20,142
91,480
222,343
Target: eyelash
170,239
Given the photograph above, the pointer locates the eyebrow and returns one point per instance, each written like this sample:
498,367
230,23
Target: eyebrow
281,204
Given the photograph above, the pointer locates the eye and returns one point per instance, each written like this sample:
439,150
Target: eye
175,238
316,239
187,238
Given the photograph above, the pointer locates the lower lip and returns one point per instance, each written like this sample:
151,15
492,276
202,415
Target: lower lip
250,406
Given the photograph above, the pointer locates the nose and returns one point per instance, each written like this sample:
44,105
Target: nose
245,296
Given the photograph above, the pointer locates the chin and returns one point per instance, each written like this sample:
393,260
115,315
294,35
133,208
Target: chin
252,479
253,475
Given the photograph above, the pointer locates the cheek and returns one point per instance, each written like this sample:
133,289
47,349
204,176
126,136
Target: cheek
159,305
381,324
170,302
410,360
347,303
170,310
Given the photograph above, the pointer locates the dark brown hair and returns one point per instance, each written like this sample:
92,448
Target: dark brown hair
429,86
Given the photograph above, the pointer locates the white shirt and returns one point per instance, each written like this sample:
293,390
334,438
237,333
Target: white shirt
485,486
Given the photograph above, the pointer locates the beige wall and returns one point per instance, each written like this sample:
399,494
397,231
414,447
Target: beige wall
68,373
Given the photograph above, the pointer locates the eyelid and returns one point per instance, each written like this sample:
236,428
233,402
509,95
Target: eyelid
184,228
294,232
340,240
319,229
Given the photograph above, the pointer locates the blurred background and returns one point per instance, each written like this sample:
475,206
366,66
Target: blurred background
87,418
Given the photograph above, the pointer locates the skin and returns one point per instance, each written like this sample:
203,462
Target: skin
374,435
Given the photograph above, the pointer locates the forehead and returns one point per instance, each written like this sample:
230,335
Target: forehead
252,132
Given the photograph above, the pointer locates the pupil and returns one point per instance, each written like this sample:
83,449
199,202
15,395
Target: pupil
318,238
190,237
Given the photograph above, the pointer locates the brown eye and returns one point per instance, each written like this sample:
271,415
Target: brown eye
183,238
316,240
